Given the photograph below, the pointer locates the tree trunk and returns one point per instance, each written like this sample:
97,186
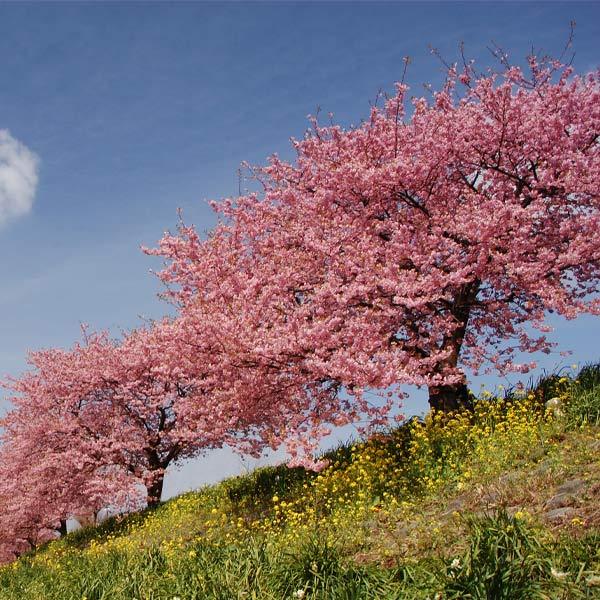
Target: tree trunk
62,529
155,491
447,398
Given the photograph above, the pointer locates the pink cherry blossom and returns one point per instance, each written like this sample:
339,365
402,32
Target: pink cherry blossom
402,251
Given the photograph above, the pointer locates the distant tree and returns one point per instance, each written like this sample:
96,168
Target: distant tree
91,423
406,249
43,488
53,459
94,425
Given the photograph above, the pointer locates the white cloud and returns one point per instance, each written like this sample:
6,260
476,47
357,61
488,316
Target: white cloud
18,177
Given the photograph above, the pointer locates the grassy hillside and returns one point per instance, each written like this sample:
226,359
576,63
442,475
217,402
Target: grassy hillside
502,503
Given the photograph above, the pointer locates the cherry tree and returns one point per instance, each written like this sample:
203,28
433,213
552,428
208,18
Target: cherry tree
408,249
94,425
53,459
44,486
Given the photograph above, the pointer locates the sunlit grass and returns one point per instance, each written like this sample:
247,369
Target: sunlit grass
373,524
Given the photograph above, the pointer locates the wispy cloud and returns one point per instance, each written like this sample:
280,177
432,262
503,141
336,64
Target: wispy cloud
18,177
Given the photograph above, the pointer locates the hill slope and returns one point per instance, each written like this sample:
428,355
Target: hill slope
502,503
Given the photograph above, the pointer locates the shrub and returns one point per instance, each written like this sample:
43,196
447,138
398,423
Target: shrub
505,560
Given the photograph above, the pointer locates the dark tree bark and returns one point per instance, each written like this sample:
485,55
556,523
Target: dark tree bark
448,398
62,529
157,465
155,491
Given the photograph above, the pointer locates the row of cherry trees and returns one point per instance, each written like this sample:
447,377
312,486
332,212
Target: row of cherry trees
398,252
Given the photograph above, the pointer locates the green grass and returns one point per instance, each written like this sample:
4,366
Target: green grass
404,515
584,405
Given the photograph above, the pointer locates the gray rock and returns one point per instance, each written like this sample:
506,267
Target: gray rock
572,486
559,514
560,501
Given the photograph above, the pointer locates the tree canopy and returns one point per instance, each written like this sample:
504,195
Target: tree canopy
434,238
411,247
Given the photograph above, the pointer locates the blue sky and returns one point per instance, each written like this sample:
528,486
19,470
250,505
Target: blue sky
135,109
